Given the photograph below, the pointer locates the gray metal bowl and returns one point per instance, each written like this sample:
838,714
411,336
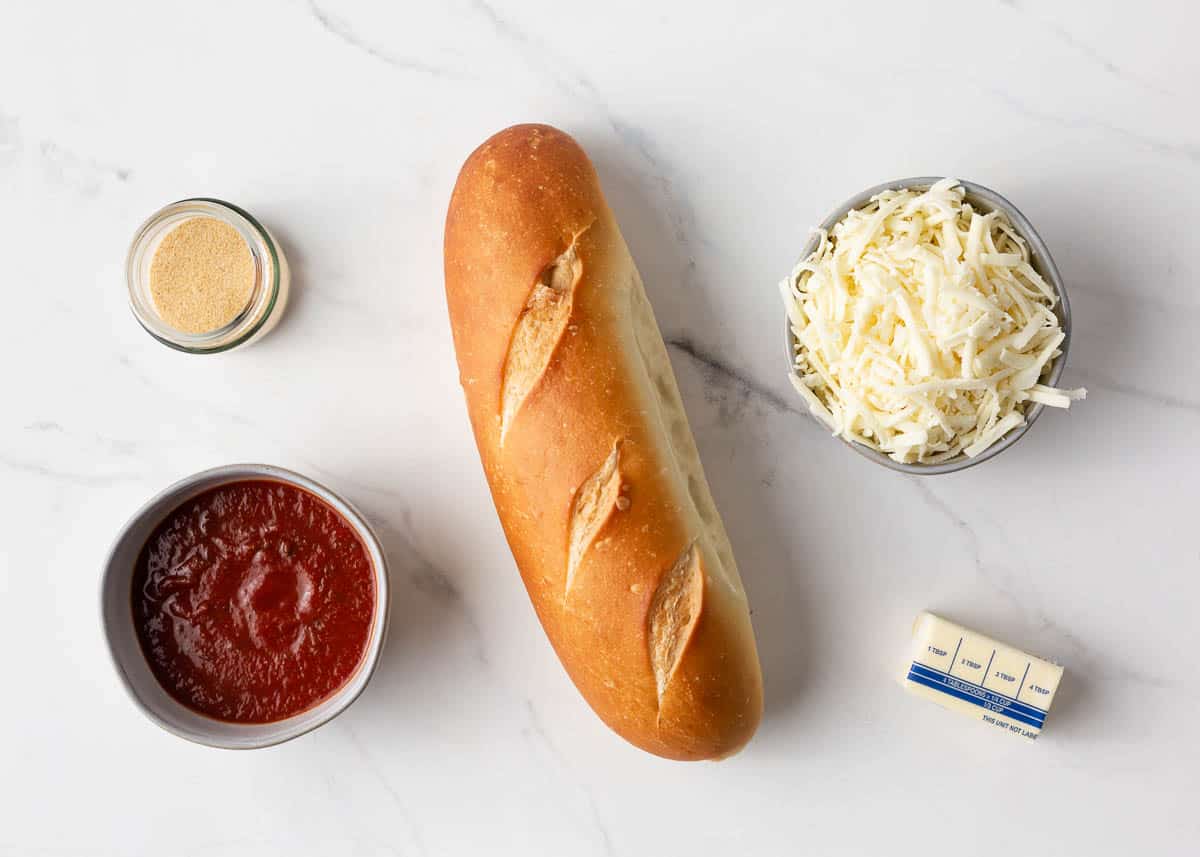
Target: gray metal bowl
982,199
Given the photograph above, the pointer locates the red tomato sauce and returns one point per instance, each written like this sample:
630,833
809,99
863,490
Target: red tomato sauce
253,601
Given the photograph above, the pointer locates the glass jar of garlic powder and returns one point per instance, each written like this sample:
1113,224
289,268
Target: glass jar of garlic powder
205,277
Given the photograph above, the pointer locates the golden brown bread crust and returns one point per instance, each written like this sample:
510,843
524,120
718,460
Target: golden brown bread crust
591,463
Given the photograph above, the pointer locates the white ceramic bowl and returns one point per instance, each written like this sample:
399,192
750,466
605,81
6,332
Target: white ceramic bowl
116,610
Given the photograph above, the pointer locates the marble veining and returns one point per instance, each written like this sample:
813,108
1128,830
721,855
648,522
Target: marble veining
338,28
719,368
539,734
1186,150
383,777
1102,381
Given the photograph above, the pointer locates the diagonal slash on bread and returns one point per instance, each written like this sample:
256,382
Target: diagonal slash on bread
538,331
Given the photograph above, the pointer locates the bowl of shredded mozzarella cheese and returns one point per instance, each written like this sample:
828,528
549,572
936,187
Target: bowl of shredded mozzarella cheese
927,325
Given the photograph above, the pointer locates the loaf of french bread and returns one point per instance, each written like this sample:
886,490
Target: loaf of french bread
587,449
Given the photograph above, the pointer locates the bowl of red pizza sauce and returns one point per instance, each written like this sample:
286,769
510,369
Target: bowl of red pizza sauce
245,606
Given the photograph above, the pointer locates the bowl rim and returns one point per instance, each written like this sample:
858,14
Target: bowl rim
1041,260
178,493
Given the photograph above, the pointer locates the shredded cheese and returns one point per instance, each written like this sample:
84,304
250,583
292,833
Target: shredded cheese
922,328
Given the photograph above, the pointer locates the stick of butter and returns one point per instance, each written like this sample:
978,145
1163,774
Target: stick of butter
977,676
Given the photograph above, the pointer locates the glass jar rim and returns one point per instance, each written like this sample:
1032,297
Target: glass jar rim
264,296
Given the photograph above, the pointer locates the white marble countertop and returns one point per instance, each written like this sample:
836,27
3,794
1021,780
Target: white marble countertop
720,138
